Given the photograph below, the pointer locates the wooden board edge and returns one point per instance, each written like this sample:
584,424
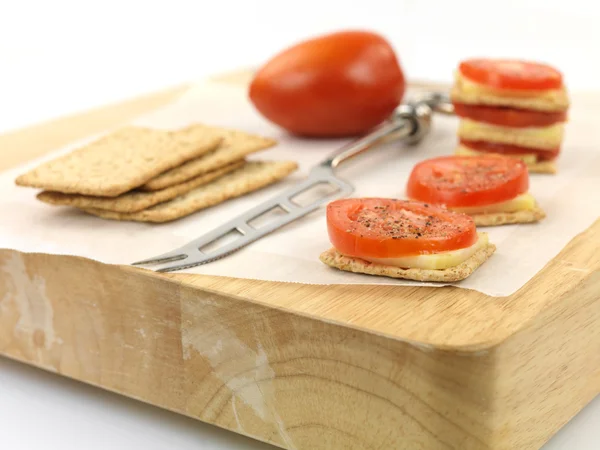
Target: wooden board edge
208,356
265,373
549,370
138,275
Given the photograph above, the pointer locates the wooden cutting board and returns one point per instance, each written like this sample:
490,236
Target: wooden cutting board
309,367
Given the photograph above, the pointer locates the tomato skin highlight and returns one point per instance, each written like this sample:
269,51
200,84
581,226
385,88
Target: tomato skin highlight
336,85
465,181
511,74
507,149
388,228
508,117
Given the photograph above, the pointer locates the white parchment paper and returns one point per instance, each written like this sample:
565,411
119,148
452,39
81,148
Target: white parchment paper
571,200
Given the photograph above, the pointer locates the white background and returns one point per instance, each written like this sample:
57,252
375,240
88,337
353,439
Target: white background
61,56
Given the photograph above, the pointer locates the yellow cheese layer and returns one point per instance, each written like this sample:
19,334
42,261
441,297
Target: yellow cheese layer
543,138
524,202
436,261
528,158
471,87
550,133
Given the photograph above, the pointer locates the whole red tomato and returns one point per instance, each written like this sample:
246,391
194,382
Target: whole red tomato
341,84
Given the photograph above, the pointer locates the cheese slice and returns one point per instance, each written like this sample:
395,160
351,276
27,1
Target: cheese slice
435,261
528,158
542,138
523,202
551,132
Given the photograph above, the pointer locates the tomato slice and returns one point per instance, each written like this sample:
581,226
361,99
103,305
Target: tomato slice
387,228
509,117
459,181
506,149
511,74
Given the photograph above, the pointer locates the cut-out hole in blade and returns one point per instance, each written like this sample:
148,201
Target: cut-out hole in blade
318,191
215,245
267,217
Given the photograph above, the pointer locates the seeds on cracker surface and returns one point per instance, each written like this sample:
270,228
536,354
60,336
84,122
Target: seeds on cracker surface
505,218
234,146
250,177
135,200
122,160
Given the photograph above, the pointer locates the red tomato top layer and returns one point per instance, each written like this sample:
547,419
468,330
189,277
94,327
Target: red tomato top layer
463,181
386,228
511,74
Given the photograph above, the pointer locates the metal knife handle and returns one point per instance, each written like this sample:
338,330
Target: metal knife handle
401,125
410,120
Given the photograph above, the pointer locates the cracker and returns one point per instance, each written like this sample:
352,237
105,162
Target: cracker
134,200
251,177
548,166
542,167
506,135
121,161
557,101
235,145
503,218
336,260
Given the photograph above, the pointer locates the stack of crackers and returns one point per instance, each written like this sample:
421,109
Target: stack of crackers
537,146
150,175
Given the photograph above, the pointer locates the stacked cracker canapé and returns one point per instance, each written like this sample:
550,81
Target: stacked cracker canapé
511,107
151,175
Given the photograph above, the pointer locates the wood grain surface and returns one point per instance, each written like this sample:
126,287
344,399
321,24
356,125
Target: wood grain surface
309,367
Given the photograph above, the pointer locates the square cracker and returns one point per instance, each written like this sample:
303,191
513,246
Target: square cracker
134,200
493,219
336,260
250,177
542,167
235,145
555,101
121,160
